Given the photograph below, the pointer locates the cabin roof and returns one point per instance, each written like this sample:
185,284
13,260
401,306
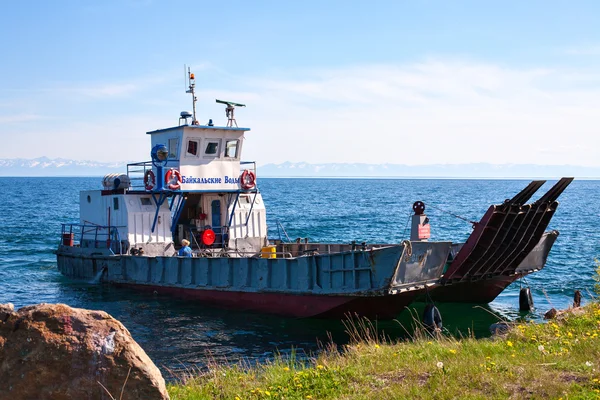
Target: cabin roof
203,127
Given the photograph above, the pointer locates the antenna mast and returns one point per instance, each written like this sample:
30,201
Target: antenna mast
192,87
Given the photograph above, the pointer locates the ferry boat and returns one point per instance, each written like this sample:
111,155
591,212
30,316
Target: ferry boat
197,189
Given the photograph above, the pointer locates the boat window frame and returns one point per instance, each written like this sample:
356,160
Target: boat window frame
237,149
173,154
207,142
198,149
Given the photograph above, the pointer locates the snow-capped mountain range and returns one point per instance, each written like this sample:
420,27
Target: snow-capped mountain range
44,166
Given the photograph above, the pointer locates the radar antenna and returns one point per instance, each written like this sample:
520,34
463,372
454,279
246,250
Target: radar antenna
192,87
229,111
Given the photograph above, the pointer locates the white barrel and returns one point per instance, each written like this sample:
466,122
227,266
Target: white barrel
116,181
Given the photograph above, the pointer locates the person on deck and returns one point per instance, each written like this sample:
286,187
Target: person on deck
185,250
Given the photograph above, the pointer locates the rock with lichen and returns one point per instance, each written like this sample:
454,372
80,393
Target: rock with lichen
53,351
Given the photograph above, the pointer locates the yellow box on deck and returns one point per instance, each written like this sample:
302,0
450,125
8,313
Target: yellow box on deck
268,252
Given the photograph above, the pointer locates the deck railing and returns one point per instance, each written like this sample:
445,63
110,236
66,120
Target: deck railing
136,172
93,236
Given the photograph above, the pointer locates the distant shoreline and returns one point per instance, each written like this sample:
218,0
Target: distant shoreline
473,178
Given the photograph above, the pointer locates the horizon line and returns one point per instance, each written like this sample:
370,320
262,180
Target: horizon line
587,178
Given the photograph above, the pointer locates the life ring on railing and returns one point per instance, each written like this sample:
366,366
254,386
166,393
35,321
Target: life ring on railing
171,175
149,179
248,179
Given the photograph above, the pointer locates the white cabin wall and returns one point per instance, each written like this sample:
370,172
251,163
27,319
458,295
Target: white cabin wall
140,218
210,172
90,204
94,210
256,228
163,138
203,171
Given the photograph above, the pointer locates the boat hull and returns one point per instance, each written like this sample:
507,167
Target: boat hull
376,282
478,292
296,306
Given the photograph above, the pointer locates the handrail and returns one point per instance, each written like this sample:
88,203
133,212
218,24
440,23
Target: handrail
95,235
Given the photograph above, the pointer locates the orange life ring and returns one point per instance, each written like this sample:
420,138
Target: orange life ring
173,174
248,179
149,179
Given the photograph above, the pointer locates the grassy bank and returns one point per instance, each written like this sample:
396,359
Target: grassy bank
560,359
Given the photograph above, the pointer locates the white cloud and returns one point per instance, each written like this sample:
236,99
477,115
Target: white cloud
431,112
435,111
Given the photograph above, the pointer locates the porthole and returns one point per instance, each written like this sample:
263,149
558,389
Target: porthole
89,199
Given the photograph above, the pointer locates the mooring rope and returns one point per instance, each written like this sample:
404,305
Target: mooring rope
452,214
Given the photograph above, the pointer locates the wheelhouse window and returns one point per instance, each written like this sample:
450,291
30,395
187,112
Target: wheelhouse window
173,144
146,201
212,148
192,147
115,203
231,148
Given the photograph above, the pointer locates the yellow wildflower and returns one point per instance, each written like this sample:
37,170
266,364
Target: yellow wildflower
452,351
286,368
377,346
320,366
509,343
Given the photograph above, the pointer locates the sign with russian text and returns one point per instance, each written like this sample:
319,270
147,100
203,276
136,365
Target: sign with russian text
424,231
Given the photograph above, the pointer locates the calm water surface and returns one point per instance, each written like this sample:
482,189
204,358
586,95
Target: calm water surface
178,333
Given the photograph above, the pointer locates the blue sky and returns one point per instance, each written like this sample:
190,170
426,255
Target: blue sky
328,81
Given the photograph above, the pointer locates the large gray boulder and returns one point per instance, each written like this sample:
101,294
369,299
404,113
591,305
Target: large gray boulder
53,351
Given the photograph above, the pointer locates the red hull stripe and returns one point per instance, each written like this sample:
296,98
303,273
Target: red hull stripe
300,306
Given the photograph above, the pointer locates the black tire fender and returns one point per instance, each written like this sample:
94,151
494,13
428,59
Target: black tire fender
432,318
525,299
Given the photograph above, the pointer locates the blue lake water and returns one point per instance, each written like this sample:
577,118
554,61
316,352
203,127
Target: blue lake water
179,333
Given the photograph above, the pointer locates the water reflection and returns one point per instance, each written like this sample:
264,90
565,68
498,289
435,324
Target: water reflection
178,334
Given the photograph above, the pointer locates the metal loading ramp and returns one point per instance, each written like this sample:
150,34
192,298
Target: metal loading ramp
505,235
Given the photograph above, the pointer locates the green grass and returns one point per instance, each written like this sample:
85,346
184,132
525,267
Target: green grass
559,359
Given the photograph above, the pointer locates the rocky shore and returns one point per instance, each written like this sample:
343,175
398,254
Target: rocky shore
55,352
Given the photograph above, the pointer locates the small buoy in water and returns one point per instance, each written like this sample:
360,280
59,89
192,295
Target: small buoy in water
525,300
432,319
577,299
